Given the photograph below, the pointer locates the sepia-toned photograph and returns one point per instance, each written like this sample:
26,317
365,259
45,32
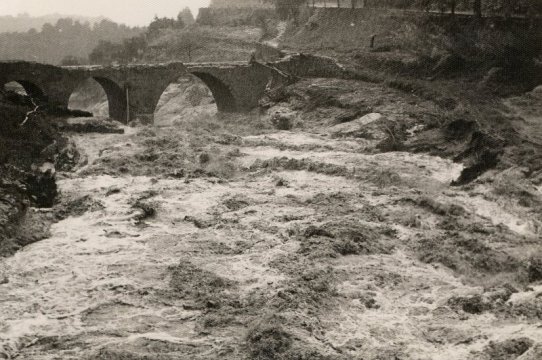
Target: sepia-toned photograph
271,179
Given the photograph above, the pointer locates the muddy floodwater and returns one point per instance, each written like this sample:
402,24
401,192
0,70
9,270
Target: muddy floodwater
102,283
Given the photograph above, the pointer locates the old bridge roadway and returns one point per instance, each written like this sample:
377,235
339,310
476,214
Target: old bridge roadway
133,91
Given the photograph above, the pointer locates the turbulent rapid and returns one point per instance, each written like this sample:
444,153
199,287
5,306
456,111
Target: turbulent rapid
203,241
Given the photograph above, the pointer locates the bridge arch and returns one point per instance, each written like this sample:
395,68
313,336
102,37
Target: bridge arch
225,101
31,89
115,95
89,96
185,97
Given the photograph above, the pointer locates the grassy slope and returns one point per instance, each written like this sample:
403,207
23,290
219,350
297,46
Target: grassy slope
211,44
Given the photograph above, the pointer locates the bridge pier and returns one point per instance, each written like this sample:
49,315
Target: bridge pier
142,97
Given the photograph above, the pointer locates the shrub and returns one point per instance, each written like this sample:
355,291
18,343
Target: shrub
267,340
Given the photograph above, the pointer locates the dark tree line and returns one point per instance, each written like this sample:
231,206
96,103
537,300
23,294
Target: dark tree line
70,40
124,52
132,49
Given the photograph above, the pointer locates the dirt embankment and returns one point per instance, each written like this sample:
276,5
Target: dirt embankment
19,184
31,151
422,45
459,117
458,83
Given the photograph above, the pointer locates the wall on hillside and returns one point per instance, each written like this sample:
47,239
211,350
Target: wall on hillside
234,16
241,3
307,66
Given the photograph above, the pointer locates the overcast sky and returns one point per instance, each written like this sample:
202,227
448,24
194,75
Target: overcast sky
132,12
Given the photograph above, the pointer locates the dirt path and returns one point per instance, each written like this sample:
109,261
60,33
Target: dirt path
281,29
187,279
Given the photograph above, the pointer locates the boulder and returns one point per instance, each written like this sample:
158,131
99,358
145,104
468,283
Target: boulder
41,185
67,157
283,118
534,353
508,349
535,269
449,63
366,127
537,91
198,95
91,125
494,75
347,116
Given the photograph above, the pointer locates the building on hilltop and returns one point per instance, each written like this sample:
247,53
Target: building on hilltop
241,3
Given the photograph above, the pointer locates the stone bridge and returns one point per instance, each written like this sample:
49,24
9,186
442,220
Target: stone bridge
133,91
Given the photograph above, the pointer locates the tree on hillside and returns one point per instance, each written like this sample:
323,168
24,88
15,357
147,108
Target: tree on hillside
48,29
64,24
133,48
534,7
186,17
186,44
106,52
71,60
106,27
442,5
477,8
159,24
507,8
289,9
130,50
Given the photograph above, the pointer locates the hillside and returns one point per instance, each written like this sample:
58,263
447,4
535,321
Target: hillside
399,42
218,34
29,154
203,44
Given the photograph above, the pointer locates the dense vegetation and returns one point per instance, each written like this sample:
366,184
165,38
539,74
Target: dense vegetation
72,42
476,7
66,38
181,39
132,49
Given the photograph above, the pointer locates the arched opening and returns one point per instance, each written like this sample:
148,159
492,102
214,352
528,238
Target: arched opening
101,97
90,97
25,88
225,102
187,98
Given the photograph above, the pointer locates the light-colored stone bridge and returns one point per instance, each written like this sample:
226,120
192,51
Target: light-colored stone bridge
133,91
